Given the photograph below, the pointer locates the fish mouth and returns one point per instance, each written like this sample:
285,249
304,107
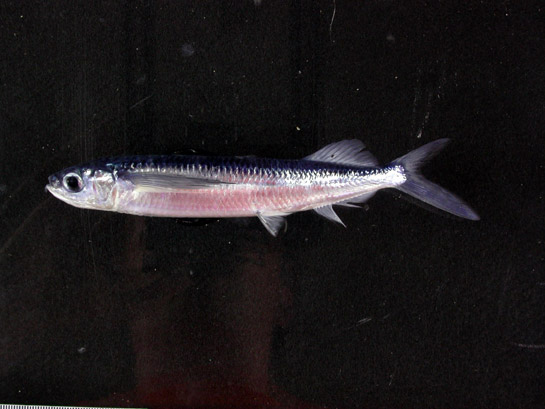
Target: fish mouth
54,191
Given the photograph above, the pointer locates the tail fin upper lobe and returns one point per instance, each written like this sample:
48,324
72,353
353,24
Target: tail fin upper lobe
426,191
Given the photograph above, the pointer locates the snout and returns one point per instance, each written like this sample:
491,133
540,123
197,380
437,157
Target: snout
54,181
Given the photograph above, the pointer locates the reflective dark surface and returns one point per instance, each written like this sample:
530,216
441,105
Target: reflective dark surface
403,308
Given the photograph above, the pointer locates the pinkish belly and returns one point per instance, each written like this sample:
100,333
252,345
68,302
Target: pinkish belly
233,201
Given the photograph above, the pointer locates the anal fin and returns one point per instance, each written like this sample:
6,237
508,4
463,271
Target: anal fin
273,224
329,213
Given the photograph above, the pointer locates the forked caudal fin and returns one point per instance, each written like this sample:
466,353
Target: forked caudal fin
426,191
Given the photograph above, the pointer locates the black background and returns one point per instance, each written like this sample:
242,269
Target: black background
403,308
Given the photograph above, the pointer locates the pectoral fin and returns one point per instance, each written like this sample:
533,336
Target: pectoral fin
157,181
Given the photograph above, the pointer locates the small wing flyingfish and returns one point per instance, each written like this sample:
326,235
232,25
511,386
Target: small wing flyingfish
342,173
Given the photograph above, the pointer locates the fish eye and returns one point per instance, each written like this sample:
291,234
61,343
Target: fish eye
73,183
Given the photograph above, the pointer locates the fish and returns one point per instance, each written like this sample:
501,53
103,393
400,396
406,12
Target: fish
343,173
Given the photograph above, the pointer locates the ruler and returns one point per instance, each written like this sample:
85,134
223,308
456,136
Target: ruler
9,406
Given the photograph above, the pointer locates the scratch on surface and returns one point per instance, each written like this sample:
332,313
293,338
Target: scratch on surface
140,102
331,22
357,324
417,93
392,378
22,226
433,92
529,346
426,113
363,321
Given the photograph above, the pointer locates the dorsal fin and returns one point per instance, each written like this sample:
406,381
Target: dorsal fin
347,152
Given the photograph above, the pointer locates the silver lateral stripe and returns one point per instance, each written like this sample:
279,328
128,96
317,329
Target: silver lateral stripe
11,406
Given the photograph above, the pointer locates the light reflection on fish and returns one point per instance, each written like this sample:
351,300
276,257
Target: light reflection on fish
342,173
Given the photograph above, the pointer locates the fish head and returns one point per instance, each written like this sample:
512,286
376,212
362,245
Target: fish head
87,187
